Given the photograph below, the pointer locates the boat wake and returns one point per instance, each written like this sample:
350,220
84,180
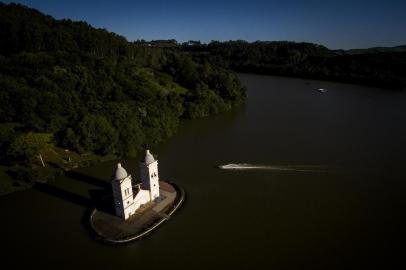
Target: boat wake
247,166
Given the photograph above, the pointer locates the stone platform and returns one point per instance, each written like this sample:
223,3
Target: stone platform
112,229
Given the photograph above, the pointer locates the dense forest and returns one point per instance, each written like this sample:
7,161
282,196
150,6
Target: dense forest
67,85
382,67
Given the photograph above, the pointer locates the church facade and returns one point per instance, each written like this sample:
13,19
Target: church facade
126,203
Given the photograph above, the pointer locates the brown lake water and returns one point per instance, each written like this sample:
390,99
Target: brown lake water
343,209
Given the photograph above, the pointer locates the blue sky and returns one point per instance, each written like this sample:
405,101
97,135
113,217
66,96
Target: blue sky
335,24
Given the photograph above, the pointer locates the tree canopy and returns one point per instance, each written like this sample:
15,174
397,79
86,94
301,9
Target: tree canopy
92,90
29,145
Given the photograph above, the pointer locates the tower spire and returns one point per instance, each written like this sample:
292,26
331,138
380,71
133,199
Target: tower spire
149,174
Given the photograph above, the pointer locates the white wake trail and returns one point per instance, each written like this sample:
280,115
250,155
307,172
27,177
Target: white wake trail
247,166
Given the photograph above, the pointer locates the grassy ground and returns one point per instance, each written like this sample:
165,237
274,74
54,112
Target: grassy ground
67,160
57,160
7,184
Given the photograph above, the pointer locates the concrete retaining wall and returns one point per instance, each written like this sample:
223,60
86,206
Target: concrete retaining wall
180,198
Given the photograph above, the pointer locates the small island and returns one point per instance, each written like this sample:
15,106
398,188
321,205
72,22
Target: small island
138,209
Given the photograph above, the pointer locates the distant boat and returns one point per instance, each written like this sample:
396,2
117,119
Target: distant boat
322,90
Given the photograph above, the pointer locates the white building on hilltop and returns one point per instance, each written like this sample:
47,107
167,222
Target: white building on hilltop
126,204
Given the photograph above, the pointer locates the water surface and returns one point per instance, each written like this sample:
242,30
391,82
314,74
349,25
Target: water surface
348,214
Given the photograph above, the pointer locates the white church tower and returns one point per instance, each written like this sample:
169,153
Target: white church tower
149,175
123,193
126,204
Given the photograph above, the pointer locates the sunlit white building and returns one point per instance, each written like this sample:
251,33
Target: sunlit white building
126,203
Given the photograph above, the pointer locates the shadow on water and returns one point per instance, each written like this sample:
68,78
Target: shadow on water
88,179
102,200
99,198
64,194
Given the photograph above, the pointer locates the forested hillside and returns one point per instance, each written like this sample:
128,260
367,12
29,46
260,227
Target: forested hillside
67,85
384,67
95,91
372,50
